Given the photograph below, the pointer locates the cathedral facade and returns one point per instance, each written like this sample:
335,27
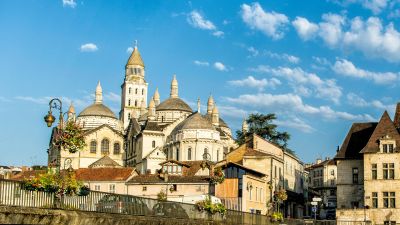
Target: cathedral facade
147,132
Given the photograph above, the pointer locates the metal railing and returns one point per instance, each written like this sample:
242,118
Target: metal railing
12,194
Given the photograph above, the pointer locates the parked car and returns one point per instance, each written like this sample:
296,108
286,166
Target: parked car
122,204
169,209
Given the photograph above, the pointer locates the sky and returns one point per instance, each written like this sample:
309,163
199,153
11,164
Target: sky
319,65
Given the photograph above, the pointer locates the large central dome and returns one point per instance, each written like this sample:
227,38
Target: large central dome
194,122
174,104
97,110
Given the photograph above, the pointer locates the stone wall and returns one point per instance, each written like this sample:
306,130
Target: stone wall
376,216
18,215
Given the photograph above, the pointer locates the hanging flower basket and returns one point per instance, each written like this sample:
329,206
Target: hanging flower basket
218,176
70,138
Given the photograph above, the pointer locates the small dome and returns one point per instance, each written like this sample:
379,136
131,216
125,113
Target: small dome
193,122
97,110
135,59
174,104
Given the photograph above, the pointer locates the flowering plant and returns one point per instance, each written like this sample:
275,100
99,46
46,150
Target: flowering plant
70,137
218,176
281,195
208,206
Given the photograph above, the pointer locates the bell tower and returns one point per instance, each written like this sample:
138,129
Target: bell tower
134,88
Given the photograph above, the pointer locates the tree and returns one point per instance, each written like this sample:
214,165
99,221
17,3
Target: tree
263,126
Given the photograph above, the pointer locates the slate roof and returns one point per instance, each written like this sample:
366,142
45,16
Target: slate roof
221,121
396,120
152,125
227,164
355,141
97,109
174,104
194,121
99,127
103,174
105,161
384,128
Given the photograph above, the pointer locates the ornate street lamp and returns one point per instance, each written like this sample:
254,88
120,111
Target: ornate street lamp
55,103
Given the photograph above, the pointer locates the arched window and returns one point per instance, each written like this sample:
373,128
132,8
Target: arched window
129,116
205,154
93,146
189,156
117,148
129,90
105,146
162,118
143,91
136,91
129,102
135,103
153,144
177,154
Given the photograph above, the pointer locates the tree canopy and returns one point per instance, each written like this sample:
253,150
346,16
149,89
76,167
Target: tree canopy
263,126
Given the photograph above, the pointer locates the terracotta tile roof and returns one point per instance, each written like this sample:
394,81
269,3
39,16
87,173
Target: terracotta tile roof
99,127
325,162
384,128
156,179
355,141
104,174
152,125
237,154
252,152
190,168
28,174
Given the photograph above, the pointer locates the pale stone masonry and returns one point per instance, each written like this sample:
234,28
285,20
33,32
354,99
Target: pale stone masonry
368,163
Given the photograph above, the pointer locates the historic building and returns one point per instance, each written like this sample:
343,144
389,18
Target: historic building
145,135
368,181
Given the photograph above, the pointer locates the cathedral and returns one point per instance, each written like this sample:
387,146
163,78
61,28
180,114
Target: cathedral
147,131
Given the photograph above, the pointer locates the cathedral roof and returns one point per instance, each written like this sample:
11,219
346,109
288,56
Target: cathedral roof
174,104
97,110
135,59
194,121
105,161
222,123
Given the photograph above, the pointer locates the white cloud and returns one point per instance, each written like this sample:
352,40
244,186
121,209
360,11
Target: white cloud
306,29
252,82
197,20
69,3
253,51
220,66
291,103
290,58
355,100
271,23
89,47
113,97
201,63
347,68
305,83
371,37
129,50
376,6
218,33
297,124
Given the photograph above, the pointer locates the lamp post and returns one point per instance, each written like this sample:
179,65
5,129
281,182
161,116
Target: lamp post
55,103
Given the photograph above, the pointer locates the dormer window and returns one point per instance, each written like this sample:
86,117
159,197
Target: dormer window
387,148
172,169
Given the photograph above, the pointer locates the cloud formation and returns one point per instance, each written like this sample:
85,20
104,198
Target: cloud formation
220,66
347,68
252,82
196,20
89,47
201,63
371,36
69,3
272,24
305,83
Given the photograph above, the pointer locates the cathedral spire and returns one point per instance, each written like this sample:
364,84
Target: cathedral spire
152,111
174,88
156,97
215,116
135,59
210,104
245,126
71,112
99,94
198,105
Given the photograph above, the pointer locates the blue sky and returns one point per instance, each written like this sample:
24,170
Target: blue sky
319,65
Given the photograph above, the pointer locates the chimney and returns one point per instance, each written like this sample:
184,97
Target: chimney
396,120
